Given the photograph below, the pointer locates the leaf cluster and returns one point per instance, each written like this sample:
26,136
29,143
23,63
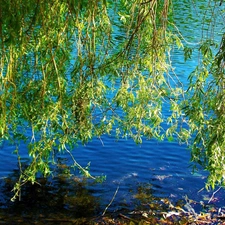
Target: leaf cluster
74,70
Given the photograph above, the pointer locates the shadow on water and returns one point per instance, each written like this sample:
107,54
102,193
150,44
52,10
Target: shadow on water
68,199
63,199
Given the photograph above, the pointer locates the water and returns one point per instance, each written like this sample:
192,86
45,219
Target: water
164,167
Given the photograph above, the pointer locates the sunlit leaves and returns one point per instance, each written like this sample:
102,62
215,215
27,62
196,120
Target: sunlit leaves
87,68
205,112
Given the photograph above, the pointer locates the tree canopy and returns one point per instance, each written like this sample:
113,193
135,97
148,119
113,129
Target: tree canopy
71,70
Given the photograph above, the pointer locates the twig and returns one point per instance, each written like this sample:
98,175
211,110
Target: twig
101,141
213,195
201,189
190,43
111,200
126,217
86,173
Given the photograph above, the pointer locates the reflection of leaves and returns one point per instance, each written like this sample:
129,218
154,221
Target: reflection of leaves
60,197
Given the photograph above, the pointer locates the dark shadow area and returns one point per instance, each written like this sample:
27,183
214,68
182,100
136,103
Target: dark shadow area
63,198
68,199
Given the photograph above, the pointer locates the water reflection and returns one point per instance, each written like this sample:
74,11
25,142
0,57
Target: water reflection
59,198
68,199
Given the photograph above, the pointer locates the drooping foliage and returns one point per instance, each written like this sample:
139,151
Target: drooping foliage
73,70
204,103
205,110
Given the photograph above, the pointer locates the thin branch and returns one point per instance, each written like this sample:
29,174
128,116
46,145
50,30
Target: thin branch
87,174
111,201
190,43
212,197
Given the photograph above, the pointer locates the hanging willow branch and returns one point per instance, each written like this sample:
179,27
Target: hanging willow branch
74,70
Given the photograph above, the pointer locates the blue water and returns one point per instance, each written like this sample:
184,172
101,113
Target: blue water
163,165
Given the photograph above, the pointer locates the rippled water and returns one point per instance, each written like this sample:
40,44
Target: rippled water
165,166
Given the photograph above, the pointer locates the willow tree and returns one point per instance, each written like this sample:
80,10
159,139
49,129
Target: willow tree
73,70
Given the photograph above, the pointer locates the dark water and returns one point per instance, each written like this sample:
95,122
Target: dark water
164,167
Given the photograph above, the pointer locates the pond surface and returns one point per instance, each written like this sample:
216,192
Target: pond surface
162,167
